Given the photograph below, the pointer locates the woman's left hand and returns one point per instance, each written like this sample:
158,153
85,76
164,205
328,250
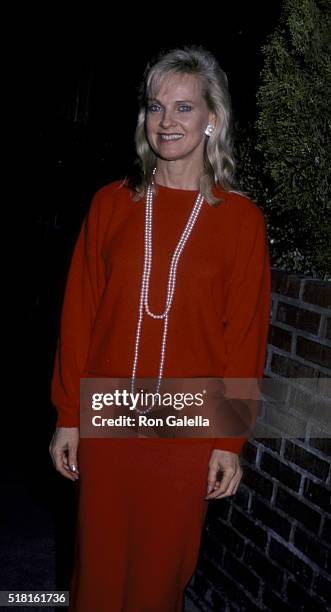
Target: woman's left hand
228,464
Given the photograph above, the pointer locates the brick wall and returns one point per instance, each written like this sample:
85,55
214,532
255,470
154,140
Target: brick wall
268,548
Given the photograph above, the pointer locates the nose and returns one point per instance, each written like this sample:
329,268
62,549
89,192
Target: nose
166,119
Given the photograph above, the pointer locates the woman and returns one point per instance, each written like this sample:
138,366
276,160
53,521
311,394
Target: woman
143,501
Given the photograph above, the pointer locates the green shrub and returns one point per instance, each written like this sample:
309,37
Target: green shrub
290,166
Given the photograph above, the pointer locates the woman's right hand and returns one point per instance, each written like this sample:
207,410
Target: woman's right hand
63,450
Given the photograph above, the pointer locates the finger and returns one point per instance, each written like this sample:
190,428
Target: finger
231,489
59,465
227,478
212,477
53,450
65,462
229,493
72,460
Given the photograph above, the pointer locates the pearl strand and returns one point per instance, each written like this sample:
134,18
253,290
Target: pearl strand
143,304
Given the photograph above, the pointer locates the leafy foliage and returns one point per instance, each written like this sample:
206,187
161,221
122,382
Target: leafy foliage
289,168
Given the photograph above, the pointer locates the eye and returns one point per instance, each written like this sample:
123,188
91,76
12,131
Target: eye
185,108
153,108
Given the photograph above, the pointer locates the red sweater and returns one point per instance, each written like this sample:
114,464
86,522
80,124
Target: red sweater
218,323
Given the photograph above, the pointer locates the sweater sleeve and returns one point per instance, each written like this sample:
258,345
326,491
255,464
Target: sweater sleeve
84,288
247,312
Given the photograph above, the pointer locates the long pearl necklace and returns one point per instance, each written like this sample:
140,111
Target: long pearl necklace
143,304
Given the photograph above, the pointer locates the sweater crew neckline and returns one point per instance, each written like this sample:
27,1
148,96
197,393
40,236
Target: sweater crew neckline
165,189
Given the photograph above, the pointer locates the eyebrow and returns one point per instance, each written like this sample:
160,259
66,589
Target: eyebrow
177,101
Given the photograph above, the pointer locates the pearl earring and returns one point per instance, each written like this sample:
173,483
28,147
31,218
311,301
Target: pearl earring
209,129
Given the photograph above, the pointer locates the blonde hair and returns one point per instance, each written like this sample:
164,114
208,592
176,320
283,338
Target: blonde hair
219,162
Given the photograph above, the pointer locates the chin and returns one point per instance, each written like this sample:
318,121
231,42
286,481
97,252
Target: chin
169,156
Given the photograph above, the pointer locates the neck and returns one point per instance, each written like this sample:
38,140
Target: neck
177,176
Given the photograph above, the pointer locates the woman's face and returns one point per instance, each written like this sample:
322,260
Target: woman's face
176,119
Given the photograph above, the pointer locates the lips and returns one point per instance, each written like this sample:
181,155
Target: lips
170,137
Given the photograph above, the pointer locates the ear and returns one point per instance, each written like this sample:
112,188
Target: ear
212,118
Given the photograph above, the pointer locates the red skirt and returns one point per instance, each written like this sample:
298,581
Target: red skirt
140,518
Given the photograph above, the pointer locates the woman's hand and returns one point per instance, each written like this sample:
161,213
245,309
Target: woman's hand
63,450
228,464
